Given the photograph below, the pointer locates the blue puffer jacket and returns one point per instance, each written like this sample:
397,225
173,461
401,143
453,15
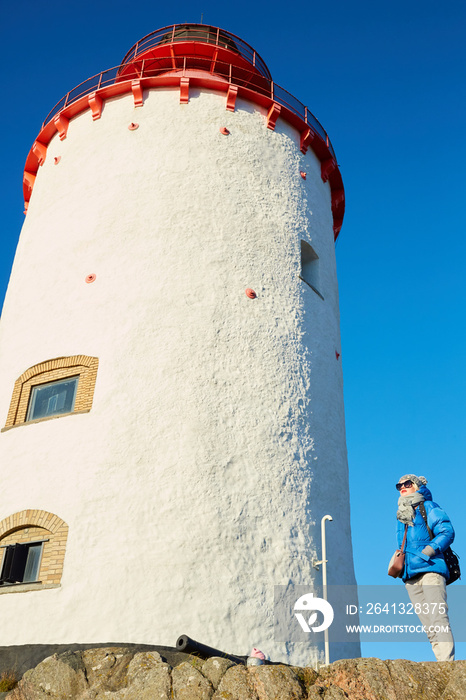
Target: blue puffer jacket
418,537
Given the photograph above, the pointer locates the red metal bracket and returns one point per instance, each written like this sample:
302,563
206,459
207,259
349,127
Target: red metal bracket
29,180
184,91
136,88
338,196
95,103
231,97
40,151
272,115
326,168
61,125
337,224
307,137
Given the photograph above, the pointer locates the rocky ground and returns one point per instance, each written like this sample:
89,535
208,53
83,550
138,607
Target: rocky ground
125,674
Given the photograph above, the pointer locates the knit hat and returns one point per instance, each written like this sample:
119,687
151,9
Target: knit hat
418,480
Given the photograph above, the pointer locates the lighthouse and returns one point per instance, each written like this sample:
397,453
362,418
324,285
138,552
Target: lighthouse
171,391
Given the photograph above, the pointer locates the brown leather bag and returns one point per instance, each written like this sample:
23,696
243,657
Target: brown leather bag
397,562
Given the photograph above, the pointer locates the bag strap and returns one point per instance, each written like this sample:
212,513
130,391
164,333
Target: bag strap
404,539
422,508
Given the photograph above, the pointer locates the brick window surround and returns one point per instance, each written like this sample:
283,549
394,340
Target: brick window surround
29,526
49,371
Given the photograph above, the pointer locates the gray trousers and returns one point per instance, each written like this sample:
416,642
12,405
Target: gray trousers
428,594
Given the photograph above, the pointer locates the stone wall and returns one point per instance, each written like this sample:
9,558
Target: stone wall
121,673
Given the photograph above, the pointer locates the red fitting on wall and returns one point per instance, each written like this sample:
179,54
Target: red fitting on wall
90,278
29,180
303,175
251,293
306,139
337,354
184,91
57,159
95,103
224,130
40,151
61,125
133,126
337,224
272,115
136,89
231,97
326,168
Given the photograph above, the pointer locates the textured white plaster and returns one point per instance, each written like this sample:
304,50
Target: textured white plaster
216,439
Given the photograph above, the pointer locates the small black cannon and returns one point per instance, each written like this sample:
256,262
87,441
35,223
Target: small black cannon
190,646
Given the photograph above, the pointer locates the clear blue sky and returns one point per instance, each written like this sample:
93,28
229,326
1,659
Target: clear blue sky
387,82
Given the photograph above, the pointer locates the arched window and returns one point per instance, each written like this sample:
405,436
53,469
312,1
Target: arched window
62,386
310,267
32,550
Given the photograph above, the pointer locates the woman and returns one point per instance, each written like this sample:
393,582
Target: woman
425,572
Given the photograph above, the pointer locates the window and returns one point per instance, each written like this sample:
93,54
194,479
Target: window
52,398
32,550
59,387
310,267
21,563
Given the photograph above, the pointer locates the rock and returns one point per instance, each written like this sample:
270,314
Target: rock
326,692
456,687
360,679
215,668
190,684
115,673
106,669
373,679
148,678
235,685
97,674
56,678
307,676
276,683
413,680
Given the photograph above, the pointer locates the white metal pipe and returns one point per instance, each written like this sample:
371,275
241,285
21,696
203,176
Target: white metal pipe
324,581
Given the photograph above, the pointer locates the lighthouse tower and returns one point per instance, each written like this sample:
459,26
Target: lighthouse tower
171,400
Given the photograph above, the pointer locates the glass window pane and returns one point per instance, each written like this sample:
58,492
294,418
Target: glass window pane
31,572
52,398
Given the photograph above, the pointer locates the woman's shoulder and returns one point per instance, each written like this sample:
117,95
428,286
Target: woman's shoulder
436,513
431,505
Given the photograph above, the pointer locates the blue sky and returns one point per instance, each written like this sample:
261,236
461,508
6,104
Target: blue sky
386,80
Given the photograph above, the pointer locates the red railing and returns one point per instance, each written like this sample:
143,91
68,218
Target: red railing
200,33
230,72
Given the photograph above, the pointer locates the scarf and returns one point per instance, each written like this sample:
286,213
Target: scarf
406,504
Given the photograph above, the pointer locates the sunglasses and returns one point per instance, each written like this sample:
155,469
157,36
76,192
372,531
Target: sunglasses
404,485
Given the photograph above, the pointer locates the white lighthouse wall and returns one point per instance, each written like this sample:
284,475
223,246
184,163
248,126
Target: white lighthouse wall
216,438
